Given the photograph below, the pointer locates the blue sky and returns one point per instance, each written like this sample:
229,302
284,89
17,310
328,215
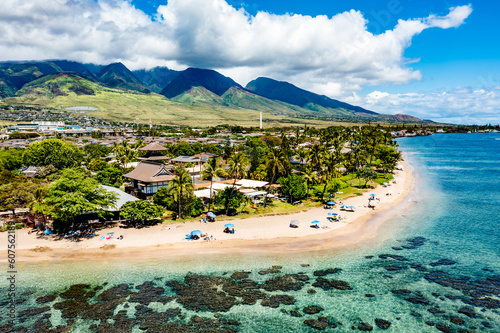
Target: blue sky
435,60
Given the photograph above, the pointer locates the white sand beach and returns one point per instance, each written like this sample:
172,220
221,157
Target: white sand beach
257,234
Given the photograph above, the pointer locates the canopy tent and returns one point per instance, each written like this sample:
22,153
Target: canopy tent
251,183
254,194
294,222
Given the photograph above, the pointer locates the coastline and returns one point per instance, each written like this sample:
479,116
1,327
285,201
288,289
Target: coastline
256,235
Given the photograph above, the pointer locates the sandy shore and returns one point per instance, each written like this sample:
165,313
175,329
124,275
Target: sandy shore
268,234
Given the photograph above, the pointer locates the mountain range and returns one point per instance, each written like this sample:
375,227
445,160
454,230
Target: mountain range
46,82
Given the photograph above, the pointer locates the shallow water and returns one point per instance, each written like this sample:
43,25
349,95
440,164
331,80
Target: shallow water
454,209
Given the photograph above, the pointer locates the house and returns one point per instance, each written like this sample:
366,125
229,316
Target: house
148,177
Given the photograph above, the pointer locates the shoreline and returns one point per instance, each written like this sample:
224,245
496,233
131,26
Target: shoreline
264,235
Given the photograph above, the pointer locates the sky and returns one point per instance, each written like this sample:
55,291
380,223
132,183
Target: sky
433,59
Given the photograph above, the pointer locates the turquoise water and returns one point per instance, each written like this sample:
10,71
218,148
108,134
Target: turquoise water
454,211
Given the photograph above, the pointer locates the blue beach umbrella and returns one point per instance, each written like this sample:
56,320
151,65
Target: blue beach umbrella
196,232
351,207
330,203
385,184
343,206
229,225
210,214
333,214
373,195
315,222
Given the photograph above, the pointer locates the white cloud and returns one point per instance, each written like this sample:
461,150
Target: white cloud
459,106
321,52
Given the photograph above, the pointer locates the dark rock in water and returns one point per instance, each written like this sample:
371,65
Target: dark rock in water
436,294
201,293
469,312
329,284
443,262
416,314
276,300
461,330
311,291
76,291
368,257
285,283
240,275
71,308
430,323
382,323
486,324
7,328
393,268
313,309
305,265
397,248
392,256
418,267
272,270
327,271
414,243
120,291
418,300
317,324
369,295
435,311
46,299
387,276
444,328
33,312
401,291
295,313
147,293
457,320
365,327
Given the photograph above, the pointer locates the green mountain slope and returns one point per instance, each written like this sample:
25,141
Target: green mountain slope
156,78
118,76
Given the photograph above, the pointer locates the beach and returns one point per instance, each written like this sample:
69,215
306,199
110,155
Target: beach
264,234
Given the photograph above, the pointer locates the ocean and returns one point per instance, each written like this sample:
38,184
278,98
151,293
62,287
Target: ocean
434,266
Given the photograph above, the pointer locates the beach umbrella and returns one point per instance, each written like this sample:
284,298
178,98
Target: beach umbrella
315,222
343,206
229,225
47,232
373,195
195,232
390,191
330,203
294,222
210,214
385,184
351,207
333,214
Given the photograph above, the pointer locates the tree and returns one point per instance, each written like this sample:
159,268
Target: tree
180,185
238,164
110,176
368,174
124,154
75,193
276,163
212,168
38,206
141,210
59,153
388,157
293,186
11,159
16,194
230,199
311,177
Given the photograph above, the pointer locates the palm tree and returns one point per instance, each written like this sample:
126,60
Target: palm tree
38,206
311,178
316,155
238,165
260,173
276,162
212,168
181,184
